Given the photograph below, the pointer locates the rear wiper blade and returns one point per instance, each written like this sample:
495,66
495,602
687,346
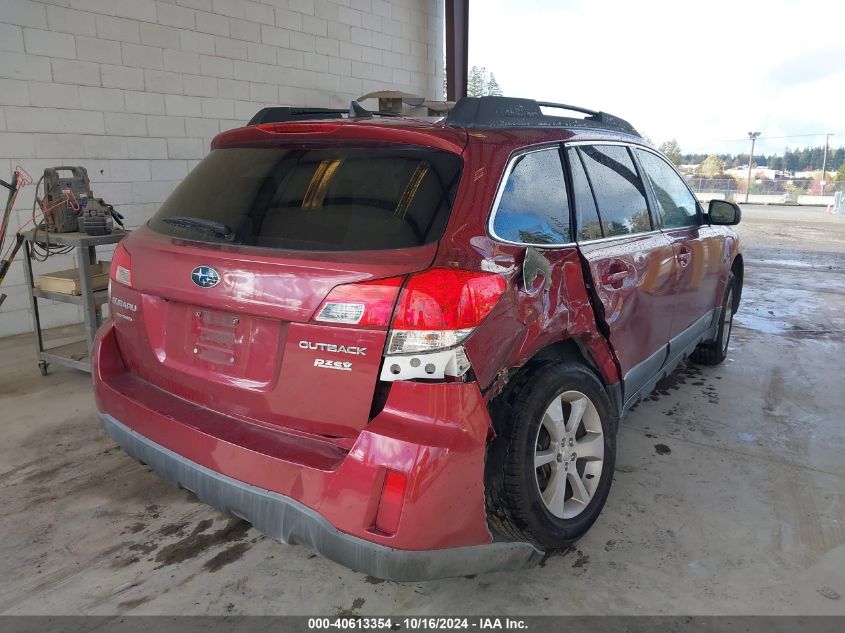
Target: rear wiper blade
218,228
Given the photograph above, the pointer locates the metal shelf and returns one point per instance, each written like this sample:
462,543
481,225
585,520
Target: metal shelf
100,296
76,354
73,354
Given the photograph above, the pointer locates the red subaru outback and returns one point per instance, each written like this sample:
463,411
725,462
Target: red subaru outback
407,344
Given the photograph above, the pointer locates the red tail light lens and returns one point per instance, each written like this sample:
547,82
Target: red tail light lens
121,266
390,506
369,303
446,299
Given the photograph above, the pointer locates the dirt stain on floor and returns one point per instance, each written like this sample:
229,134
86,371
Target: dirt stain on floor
144,548
174,529
48,474
128,605
581,561
357,603
662,449
228,555
199,541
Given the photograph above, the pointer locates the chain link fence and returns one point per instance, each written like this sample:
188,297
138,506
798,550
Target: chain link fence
710,188
789,190
701,184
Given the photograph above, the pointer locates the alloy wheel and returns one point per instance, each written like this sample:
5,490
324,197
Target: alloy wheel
569,454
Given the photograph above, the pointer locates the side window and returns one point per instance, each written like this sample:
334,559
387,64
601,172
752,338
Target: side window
533,208
586,214
618,189
675,203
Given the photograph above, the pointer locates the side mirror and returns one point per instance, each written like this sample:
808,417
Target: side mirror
724,212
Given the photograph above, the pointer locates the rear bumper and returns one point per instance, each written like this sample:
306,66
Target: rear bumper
289,521
307,490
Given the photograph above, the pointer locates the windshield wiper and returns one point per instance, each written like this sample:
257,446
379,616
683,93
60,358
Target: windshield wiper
218,228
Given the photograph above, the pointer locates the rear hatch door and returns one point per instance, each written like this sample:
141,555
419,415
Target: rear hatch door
228,275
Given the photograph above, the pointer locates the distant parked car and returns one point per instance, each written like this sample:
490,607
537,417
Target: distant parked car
407,345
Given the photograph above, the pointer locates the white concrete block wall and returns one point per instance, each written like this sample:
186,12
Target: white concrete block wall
134,90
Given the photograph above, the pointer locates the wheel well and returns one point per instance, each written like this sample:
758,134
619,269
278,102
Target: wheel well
567,350
738,270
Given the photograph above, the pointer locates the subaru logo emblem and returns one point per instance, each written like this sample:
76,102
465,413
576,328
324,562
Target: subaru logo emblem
205,276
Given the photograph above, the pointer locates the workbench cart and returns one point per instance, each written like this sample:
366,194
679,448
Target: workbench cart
76,354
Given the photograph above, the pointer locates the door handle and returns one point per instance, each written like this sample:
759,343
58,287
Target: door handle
614,281
615,275
684,256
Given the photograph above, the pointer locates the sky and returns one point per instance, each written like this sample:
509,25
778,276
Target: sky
704,73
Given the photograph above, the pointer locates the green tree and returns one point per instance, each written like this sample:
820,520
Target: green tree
477,81
840,174
481,83
672,151
712,166
493,89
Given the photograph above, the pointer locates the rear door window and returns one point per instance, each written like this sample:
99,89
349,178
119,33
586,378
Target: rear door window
315,198
533,207
676,204
618,189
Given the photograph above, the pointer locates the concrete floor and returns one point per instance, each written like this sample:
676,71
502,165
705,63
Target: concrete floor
729,496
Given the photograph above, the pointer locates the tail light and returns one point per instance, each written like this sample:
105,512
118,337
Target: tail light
436,310
121,266
369,303
439,308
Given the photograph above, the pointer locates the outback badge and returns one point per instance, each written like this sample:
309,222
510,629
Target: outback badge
205,276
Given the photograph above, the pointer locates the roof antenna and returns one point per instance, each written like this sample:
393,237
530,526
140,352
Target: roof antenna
357,111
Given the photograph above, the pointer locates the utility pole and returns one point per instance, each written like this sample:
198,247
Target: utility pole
824,161
753,136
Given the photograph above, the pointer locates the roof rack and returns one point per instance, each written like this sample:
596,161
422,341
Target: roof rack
284,114
507,112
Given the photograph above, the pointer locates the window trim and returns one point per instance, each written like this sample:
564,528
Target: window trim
512,161
700,215
565,152
655,228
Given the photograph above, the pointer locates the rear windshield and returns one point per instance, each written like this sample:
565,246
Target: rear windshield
314,198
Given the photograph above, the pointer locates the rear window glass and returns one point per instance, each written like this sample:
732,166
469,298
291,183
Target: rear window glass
314,198
533,208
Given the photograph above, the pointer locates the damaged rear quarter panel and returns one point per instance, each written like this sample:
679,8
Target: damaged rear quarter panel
522,323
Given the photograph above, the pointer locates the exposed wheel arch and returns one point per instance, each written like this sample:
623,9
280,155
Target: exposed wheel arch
567,350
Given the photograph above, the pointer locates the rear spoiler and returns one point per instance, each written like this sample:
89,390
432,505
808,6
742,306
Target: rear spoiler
287,114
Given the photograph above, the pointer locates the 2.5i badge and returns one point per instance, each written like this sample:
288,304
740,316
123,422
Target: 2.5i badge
333,364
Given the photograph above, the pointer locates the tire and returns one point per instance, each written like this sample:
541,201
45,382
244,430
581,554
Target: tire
515,488
716,351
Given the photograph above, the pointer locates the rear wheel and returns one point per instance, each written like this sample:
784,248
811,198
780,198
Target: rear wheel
551,465
716,351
